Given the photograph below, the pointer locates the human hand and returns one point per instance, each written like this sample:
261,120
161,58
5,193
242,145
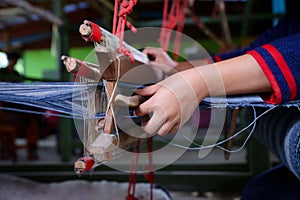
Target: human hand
160,59
172,102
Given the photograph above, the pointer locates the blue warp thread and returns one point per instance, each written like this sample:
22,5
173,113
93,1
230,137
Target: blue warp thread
278,128
66,98
63,97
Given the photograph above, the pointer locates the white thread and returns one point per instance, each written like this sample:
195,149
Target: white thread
217,145
111,99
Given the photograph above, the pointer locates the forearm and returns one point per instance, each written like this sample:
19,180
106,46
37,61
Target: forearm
239,75
181,66
243,75
173,100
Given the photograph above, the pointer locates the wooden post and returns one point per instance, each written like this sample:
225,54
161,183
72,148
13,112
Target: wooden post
231,132
62,47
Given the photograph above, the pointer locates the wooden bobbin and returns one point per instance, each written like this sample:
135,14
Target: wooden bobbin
81,68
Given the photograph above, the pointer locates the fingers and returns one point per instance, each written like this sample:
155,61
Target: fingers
163,108
150,108
148,91
154,54
168,127
152,50
174,129
146,107
159,123
143,109
156,121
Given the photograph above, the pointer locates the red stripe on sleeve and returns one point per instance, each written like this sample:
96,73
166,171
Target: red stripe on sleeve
284,68
217,58
276,96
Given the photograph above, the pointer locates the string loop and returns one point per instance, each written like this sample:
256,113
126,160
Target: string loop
121,10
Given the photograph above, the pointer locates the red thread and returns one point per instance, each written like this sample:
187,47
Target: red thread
150,175
133,173
176,17
123,7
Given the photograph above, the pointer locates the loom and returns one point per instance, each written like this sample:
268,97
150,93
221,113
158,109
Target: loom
115,59
66,97
102,138
85,99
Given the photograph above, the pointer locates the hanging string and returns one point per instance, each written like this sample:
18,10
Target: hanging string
121,9
181,9
219,8
133,173
150,175
175,18
218,144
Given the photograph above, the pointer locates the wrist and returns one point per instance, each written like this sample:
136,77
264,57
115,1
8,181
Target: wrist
197,83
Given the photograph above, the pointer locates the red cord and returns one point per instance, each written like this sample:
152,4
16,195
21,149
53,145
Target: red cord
133,173
123,7
150,175
176,17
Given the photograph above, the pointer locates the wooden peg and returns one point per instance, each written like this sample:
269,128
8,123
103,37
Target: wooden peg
103,143
81,68
132,101
229,143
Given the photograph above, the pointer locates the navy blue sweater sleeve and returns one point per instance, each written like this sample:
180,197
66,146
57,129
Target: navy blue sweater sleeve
288,25
280,61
